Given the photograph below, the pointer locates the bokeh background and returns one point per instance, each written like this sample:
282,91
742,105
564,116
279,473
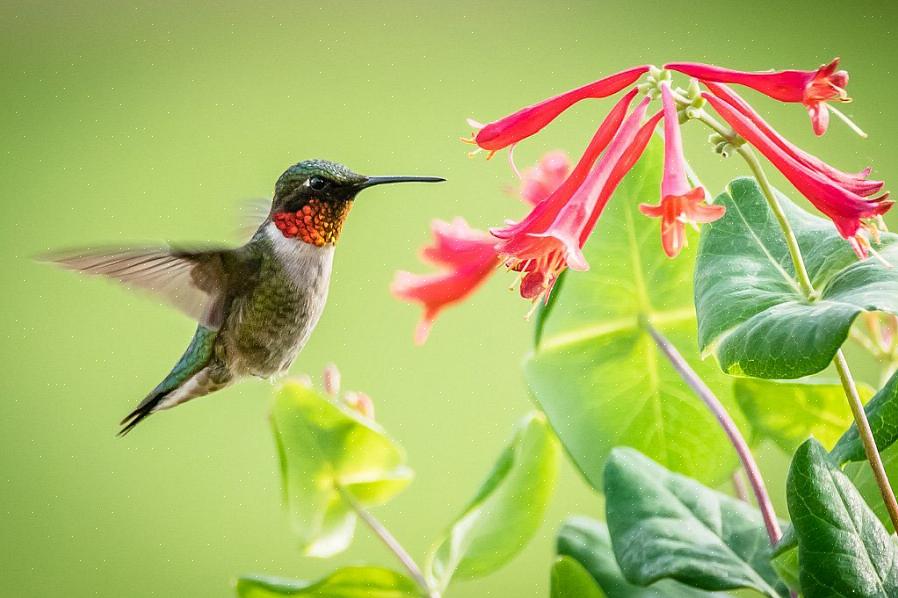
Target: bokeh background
153,121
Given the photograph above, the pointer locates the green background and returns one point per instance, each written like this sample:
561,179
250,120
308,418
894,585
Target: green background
153,122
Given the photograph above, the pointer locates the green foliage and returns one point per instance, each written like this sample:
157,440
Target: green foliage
587,541
596,373
349,582
571,580
665,525
882,413
506,511
789,412
751,312
324,446
843,549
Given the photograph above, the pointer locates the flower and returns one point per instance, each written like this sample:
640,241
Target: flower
680,203
551,237
811,88
856,182
848,210
469,258
538,182
527,121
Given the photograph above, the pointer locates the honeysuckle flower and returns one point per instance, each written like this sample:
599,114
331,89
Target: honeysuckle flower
848,211
680,202
529,120
552,236
810,88
854,182
468,256
538,182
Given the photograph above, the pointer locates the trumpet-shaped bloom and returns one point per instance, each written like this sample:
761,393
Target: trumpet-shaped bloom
854,182
680,202
810,88
552,236
846,209
538,182
527,121
468,257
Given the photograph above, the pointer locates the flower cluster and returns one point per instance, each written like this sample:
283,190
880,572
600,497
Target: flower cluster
566,203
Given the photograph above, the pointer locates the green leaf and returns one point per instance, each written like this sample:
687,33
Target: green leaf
882,413
751,312
587,541
507,510
785,563
571,580
324,445
789,412
596,373
665,525
861,475
843,549
349,582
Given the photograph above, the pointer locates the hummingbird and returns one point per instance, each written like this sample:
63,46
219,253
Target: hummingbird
256,305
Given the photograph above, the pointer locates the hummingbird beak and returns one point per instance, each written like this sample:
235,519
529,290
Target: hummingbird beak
386,180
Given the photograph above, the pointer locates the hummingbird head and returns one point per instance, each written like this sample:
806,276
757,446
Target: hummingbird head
312,198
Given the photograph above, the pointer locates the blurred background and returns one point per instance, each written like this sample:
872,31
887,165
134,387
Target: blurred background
155,121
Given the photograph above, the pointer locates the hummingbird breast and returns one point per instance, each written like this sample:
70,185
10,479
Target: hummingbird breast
267,327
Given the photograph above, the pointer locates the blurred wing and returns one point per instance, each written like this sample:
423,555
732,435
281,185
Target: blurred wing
196,282
253,212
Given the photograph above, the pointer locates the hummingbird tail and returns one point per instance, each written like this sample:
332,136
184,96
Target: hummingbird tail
191,377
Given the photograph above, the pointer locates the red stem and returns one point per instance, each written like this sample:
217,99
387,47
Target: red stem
729,426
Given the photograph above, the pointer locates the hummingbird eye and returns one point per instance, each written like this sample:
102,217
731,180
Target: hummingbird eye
317,183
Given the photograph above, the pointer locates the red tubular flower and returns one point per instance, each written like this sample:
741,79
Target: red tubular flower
538,182
680,203
552,236
856,183
846,209
469,258
810,88
527,121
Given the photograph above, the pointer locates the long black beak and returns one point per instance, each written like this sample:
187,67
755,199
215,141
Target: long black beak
386,180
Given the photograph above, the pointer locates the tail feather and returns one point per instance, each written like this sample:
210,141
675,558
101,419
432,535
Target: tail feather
182,383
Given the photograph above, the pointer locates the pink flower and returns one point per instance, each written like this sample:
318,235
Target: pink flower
527,121
552,236
680,203
468,257
856,183
538,182
847,209
811,88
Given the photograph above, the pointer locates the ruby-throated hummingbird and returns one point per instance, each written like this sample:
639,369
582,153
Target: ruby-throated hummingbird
256,304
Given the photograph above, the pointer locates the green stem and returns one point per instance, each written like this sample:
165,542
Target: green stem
391,542
866,435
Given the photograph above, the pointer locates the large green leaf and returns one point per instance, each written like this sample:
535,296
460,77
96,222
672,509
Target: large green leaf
506,511
665,525
596,373
349,582
587,541
571,580
324,445
882,413
751,312
789,412
843,549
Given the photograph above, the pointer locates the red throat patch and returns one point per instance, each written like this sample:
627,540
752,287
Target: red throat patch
316,223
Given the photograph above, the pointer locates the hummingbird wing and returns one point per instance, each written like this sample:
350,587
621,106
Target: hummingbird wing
199,283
